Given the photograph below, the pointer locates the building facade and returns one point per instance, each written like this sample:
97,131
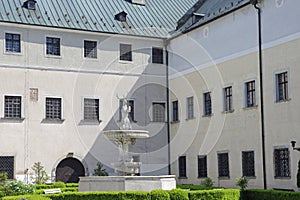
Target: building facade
192,75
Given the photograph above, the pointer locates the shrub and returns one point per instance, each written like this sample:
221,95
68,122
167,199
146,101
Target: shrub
136,195
178,194
59,184
207,182
3,178
194,187
159,195
260,194
219,194
99,171
27,197
17,188
242,182
40,175
71,185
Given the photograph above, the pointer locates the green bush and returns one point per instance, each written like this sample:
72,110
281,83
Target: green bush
178,194
17,188
59,184
159,195
242,182
85,195
134,195
71,185
193,187
269,195
27,197
218,194
66,189
207,182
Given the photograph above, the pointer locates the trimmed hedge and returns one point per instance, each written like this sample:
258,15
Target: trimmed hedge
269,195
194,187
27,197
179,194
66,189
222,194
159,195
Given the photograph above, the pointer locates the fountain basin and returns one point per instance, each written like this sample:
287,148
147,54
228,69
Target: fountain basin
132,134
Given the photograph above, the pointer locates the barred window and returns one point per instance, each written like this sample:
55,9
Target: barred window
125,52
223,165
7,166
131,114
182,166
90,49
190,107
282,86
12,106
282,162
53,108
228,99
202,166
175,111
53,46
12,42
158,112
248,163
250,93
157,55
207,103
91,109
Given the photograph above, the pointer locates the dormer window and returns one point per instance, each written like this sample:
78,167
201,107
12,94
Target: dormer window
30,4
121,16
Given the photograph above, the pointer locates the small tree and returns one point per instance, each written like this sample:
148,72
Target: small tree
242,182
99,171
40,175
207,182
298,175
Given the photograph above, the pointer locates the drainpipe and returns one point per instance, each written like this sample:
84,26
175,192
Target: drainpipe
255,4
168,105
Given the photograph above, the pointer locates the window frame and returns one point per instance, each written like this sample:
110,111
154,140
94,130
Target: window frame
175,114
190,108
157,59
61,109
286,84
276,165
245,166
85,56
200,165
60,46
20,109
252,93
84,118
5,43
182,170
228,106
205,111
123,56
164,113
226,175
12,174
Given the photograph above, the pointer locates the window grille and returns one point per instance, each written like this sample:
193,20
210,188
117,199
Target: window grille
158,112
250,92
223,165
282,162
53,108
125,52
248,163
175,111
53,46
207,104
282,86
91,109
90,49
228,99
7,166
182,166
12,107
190,107
202,166
157,55
12,42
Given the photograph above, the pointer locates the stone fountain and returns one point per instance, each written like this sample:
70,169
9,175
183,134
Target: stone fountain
126,169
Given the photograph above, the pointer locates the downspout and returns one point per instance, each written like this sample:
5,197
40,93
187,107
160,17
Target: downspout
255,4
166,42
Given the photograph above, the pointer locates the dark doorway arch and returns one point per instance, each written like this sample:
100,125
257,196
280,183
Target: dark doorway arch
69,170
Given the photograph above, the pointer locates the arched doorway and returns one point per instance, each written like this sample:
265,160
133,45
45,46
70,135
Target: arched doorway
69,170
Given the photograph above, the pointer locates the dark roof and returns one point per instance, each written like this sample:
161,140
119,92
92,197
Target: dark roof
156,19
205,11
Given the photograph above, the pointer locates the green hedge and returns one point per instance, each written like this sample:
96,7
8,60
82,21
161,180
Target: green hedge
27,197
159,195
222,194
66,189
194,187
269,195
179,194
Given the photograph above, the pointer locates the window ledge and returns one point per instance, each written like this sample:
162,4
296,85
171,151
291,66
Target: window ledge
182,177
126,61
90,122
187,119
91,59
12,119
175,122
224,178
282,178
53,56
282,101
250,107
158,63
208,115
228,111
201,177
13,53
52,121
250,177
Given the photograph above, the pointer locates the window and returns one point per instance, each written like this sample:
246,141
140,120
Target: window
182,166
53,108
250,93
223,165
125,52
202,166
282,86
190,107
248,163
31,4
53,46
131,114
282,162
228,99
158,112
207,103
90,49
175,113
7,165
12,42
157,55
12,107
91,109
